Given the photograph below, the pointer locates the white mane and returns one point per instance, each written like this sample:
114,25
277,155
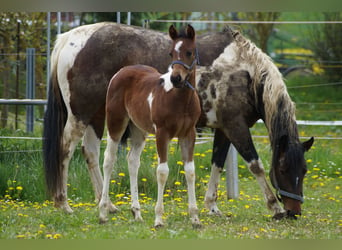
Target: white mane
242,54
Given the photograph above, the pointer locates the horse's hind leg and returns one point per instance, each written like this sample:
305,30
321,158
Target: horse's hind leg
187,147
137,145
110,157
72,134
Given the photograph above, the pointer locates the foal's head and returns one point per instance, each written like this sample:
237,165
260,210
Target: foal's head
184,56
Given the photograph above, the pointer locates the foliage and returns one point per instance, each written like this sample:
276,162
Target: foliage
326,42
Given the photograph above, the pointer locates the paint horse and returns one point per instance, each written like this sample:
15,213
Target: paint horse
82,63
140,98
242,86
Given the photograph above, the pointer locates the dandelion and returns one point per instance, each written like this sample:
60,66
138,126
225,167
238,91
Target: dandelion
21,236
182,172
245,229
337,188
308,160
42,226
19,188
180,163
177,183
57,236
247,206
122,174
143,179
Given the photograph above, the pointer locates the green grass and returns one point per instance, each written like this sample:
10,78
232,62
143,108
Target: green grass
25,213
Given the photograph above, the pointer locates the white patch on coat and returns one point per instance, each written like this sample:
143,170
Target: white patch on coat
177,48
167,81
211,118
68,46
150,100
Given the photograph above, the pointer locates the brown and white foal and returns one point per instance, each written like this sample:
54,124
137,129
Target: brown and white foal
141,98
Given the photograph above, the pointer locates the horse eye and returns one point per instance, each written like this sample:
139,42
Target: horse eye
188,53
170,54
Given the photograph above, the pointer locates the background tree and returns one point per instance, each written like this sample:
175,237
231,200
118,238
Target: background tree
32,34
261,32
326,43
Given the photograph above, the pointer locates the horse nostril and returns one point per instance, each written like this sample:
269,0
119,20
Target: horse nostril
176,79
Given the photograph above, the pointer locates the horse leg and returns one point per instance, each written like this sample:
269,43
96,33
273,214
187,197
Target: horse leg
72,134
110,157
220,150
242,140
137,145
162,141
187,148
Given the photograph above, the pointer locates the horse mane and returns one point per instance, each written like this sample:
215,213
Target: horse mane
278,108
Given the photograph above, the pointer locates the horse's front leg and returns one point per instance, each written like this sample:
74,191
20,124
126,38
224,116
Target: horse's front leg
137,145
162,140
187,146
220,149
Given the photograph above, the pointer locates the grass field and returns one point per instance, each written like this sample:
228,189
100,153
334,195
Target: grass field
27,214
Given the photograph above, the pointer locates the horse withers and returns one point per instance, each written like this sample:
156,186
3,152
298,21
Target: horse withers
145,101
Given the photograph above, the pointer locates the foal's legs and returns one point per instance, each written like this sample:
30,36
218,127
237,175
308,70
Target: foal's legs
109,160
72,133
137,145
162,140
187,146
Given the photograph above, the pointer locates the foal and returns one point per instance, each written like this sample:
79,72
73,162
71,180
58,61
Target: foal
140,98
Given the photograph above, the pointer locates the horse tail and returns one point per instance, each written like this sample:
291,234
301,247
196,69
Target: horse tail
54,122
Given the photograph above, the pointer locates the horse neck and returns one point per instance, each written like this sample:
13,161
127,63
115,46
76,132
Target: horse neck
279,116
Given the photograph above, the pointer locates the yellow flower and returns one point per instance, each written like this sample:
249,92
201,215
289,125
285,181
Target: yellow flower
122,174
19,188
245,229
247,206
177,183
143,179
180,163
42,226
308,160
57,236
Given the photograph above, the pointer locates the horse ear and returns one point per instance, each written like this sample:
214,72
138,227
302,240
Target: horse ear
173,32
190,31
307,144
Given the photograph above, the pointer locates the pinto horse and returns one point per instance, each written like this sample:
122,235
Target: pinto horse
140,98
83,61
242,86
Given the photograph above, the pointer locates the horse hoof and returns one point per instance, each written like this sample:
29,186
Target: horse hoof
279,216
196,225
103,221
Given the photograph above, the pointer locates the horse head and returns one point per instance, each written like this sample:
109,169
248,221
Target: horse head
184,56
287,173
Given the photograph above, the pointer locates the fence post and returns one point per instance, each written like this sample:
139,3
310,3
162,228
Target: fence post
30,87
232,173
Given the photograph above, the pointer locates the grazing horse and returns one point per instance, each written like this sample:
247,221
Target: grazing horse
83,61
240,87
167,105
